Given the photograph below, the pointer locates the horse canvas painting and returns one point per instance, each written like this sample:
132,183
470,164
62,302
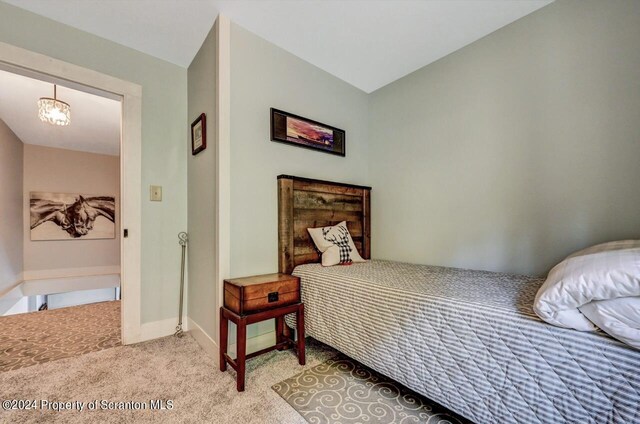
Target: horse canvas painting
61,216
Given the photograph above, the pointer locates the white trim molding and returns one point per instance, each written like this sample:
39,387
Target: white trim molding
204,340
14,291
162,328
212,348
255,343
41,274
131,214
69,284
130,169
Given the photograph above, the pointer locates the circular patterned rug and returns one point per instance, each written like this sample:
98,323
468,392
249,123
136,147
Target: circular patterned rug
343,391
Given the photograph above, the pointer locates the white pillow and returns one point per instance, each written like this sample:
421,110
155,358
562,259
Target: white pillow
607,247
335,244
602,272
619,317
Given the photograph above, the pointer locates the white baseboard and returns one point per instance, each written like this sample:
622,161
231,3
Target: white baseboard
70,272
255,343
162,328
70,284
204,340
13,291
212,348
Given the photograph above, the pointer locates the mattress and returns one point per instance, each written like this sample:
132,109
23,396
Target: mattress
470,341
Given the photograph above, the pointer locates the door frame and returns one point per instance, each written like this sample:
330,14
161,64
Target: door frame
130,95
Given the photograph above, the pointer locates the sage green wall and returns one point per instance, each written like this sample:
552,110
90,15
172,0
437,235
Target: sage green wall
515,150
265,76
202,184
164,142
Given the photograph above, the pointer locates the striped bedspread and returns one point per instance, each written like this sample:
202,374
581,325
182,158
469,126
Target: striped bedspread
470,341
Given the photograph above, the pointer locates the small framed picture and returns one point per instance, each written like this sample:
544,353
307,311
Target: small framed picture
199,134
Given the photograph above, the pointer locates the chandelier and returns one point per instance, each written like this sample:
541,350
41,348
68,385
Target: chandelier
54,111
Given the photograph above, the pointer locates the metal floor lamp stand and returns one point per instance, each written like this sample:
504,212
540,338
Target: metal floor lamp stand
182,240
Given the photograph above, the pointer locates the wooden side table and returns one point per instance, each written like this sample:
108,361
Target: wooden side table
255,299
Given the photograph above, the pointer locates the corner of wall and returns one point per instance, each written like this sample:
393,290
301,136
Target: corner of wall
223,156
205,341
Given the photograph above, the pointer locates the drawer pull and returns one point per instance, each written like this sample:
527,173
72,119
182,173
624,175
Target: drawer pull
272,297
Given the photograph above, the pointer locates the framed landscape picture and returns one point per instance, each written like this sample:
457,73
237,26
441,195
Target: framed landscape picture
293,129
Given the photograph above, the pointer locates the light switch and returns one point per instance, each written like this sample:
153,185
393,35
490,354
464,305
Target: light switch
156,193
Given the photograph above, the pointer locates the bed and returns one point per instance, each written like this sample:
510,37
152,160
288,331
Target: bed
466,339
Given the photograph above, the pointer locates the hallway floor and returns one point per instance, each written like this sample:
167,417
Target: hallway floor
44,336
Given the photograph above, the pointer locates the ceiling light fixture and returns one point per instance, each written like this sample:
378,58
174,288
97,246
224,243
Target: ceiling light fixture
53,110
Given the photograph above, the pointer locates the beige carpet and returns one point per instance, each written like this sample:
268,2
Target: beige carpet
166,369
44,336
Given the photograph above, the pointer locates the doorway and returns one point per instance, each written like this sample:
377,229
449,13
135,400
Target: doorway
27,63
60,166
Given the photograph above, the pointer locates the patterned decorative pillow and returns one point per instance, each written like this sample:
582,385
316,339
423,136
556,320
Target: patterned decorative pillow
335,244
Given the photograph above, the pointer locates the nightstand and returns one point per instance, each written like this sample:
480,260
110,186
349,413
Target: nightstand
254,299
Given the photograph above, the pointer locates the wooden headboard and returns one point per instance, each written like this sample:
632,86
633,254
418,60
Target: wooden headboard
305,203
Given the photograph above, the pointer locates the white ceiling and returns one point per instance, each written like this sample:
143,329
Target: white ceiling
368,43
95,120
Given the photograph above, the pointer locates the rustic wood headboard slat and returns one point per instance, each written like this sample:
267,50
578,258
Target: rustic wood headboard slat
306,203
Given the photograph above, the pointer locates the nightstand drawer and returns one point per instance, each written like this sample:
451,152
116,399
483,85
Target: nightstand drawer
253,294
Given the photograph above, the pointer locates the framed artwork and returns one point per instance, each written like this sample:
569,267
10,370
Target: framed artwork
63,216
199,134
293,129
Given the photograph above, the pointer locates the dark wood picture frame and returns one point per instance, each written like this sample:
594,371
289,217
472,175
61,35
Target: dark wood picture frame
279,125
199,134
